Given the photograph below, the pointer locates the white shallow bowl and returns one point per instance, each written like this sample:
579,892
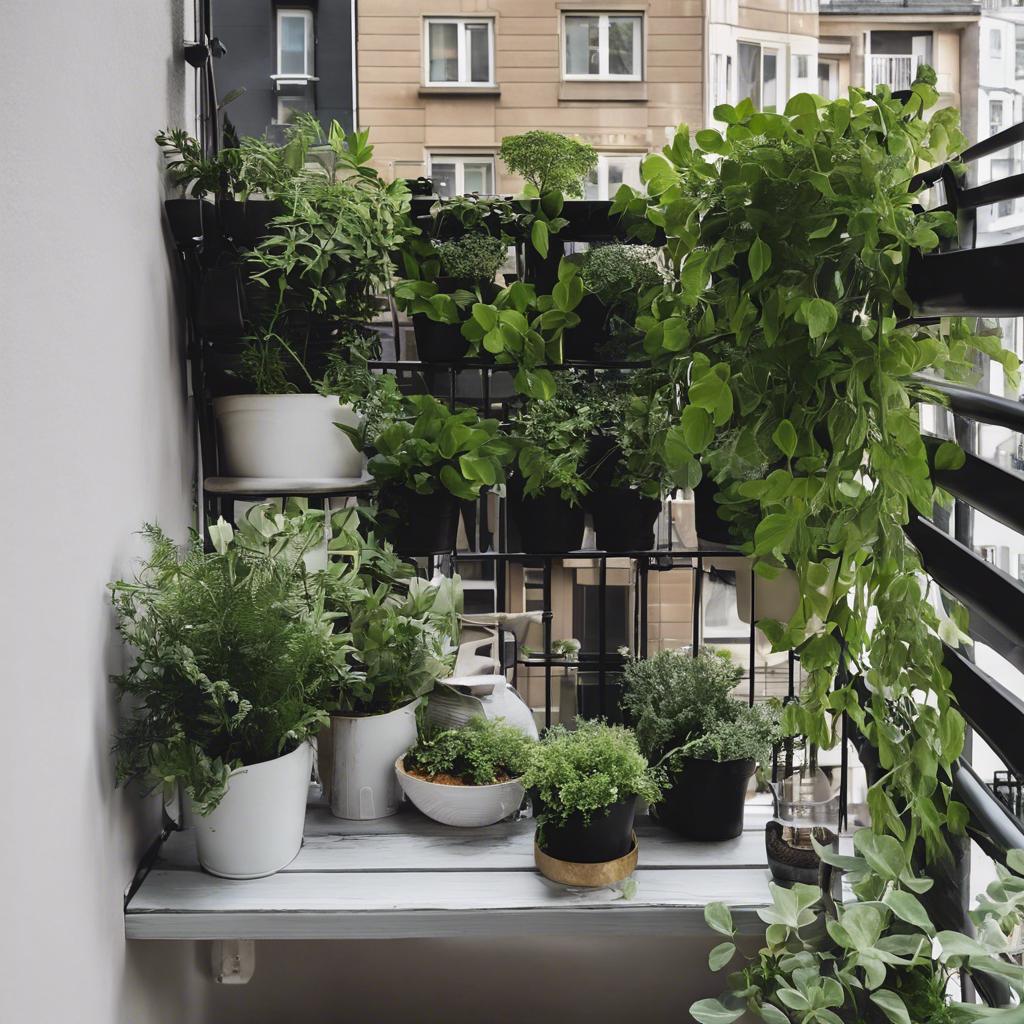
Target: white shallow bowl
461,806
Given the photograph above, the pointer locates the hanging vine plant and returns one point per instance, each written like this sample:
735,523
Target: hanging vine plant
785,328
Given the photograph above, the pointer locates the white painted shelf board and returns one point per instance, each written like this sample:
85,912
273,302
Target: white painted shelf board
408,877
258,486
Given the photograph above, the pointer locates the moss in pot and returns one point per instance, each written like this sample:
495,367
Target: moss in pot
687,718
585,785
467,777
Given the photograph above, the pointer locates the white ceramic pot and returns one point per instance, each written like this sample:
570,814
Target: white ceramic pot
286,436
363,783
461,806
778,598
257,828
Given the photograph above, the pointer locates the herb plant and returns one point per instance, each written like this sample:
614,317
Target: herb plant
236,658
587,770
683,706
482,753
551,437
788,238
424,447
617,274
473,257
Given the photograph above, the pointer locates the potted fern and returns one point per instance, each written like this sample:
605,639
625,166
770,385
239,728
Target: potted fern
468,777
236,664
686,717
585,785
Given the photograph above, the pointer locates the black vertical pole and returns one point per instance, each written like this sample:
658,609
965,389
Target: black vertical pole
753,635
547,641
698,601
602,631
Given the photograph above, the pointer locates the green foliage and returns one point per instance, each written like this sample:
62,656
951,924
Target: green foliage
188,168
878,958
551,437
236,659
482,753
523,329
788,239
549,161
619,274
424,446
587,770
472,213
683,706
473,257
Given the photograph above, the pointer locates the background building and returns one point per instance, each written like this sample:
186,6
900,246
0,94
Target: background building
287,59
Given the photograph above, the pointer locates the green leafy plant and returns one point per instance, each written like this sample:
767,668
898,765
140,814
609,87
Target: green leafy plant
683,705
236,659
423,446
553,166
587,770
879,959
472,213
482,753
473,257
551,437
524,329
618,274
788,237
329,255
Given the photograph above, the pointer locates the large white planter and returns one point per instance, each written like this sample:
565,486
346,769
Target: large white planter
257,828
461,806
363,782
286,436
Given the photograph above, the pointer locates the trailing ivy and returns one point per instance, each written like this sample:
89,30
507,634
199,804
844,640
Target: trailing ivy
789,236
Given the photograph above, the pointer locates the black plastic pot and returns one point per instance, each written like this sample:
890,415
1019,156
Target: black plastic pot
706,799
711,528
624,519
608,836
221,306
245,223
547,524
542,271
590,220
580,342
420,186
418,524
437,342
187,221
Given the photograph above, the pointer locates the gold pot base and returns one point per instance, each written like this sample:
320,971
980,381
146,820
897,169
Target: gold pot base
592,876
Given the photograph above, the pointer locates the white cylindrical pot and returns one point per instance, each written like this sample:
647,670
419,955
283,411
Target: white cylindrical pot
461,806
257,828
363,782
286,436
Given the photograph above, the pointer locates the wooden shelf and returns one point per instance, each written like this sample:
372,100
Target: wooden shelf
408,877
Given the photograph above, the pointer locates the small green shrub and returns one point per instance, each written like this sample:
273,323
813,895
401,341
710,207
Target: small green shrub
618,274
588,770
474,257
550,162
684,706
481,754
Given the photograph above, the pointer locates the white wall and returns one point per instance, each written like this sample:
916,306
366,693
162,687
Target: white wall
94,439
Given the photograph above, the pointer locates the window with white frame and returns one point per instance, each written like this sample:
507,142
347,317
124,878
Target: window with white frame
995,117
995,42
613,170
458,51
459,175
603,46
801,65
828,79
294,43
757,75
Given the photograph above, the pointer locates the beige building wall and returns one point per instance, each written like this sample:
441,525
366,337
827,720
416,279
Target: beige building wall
408,119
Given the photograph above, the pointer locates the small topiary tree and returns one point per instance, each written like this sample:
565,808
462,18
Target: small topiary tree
548,161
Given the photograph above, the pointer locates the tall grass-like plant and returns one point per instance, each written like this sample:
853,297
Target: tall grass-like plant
235,657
